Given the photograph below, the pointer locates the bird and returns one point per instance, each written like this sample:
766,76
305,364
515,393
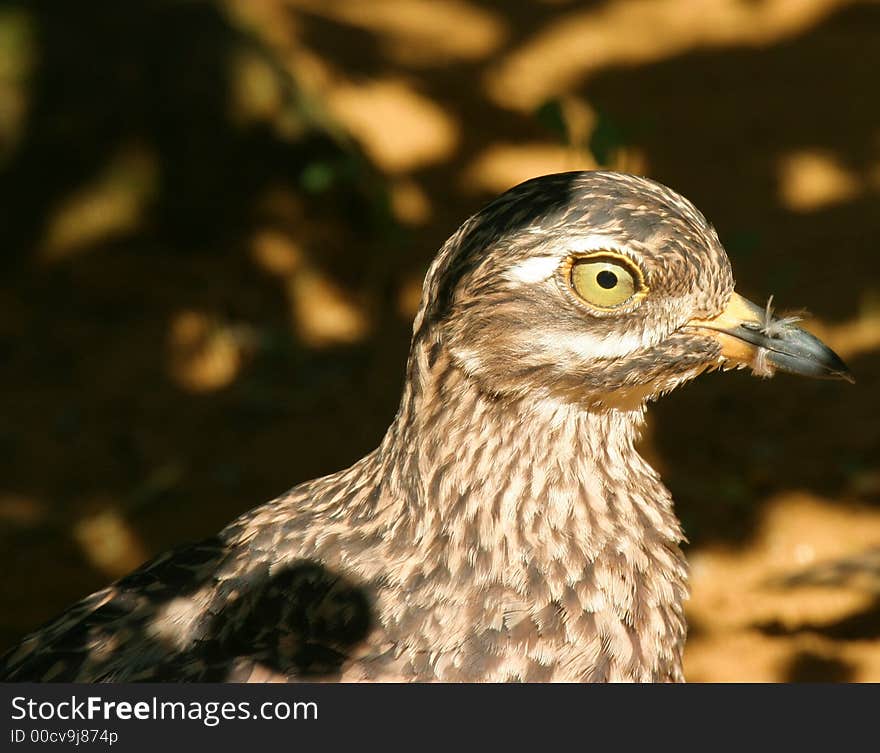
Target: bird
506,528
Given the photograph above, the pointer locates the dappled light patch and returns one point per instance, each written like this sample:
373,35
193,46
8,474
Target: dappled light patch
409,202
501,166
857,336
112,204
811,180
17,57
579,43
204,353
419,32
811,561
257,92
400,128
324,313
276,252
109,542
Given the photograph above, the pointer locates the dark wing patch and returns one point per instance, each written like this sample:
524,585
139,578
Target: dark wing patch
299,620
304,622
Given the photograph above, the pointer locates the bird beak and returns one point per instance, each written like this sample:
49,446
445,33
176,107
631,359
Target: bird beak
751,336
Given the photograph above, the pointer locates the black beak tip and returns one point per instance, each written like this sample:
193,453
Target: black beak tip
840,372
843,372
830,361
800,352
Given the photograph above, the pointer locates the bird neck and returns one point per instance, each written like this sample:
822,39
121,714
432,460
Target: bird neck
527,515
535,480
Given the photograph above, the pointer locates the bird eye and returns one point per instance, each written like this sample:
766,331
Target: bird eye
604,281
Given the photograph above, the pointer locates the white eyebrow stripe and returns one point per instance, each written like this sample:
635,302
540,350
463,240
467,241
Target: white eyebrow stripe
540,268
534,269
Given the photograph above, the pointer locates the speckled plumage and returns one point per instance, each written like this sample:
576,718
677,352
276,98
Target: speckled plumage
505,529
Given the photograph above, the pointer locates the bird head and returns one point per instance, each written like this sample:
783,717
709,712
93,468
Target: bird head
600,288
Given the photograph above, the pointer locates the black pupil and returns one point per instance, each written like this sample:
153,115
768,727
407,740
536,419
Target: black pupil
606,279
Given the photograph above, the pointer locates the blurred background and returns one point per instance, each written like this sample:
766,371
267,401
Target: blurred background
215,218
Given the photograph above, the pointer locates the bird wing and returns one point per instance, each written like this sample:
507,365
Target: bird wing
213,611
123,630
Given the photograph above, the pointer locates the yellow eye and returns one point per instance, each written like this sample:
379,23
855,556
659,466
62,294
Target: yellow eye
605,281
